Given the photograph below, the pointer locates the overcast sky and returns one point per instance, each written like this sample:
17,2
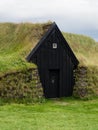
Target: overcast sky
74,16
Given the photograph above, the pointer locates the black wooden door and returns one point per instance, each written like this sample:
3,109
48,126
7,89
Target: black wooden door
53,91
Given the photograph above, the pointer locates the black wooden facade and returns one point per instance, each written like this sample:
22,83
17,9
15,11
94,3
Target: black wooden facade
56,62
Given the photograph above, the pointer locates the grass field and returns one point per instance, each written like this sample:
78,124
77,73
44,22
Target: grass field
62,114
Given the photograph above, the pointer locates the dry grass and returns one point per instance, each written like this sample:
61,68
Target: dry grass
85,48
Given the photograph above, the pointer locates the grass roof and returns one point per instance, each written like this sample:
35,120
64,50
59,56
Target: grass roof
17,40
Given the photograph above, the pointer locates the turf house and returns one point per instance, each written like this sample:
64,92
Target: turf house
56,63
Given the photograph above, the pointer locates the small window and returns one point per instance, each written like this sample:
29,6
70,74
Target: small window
54,45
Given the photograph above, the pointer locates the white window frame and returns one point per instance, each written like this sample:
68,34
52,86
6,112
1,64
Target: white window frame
54,45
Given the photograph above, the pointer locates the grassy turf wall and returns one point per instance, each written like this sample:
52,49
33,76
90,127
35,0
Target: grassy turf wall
86,85
25,86
21,86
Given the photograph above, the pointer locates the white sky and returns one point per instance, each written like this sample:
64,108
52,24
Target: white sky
77,16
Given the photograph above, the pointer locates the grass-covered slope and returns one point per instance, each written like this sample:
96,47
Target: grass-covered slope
17,40
85,48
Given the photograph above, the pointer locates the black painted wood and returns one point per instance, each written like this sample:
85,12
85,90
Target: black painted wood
55,65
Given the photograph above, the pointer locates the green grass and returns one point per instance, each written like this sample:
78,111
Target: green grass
62,114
